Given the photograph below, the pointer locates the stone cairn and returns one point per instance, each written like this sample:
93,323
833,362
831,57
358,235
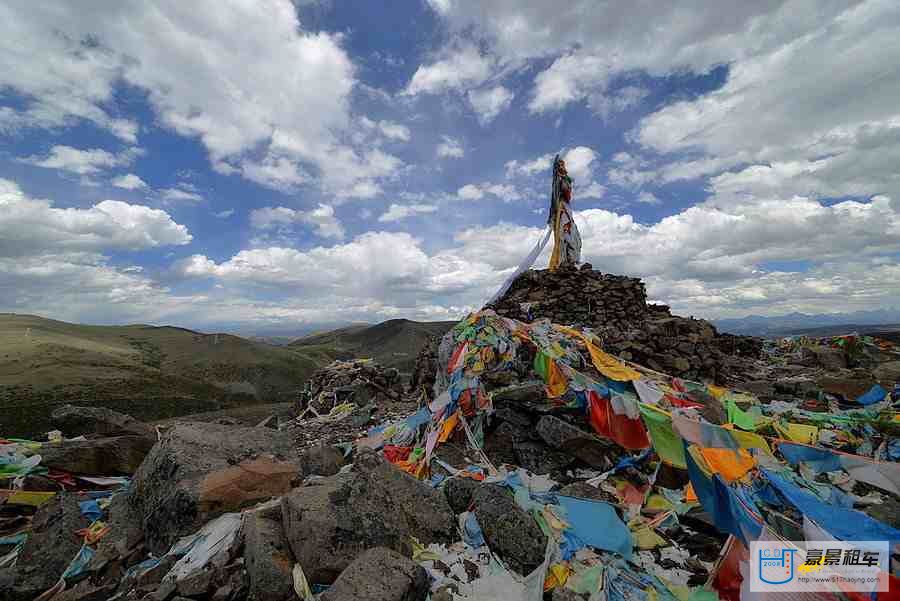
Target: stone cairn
615,308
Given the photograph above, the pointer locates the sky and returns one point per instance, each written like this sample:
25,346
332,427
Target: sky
266,165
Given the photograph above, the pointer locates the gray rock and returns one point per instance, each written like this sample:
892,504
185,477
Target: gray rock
75,421
538,457
200,471
50,547
380,574
119,455
459,493
321,460
887,373
509,531
828,358
268,557
573,441
330,522
196,584
586,491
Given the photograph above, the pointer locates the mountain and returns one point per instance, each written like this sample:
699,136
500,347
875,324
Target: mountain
393,343
150,372
758,325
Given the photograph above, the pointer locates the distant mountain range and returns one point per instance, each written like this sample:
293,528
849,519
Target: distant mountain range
156,372
393,343
799,323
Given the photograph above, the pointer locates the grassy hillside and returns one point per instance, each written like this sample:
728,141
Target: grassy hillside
394,343
150,372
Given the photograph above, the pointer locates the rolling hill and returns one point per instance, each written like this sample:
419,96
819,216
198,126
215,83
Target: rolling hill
394,343
148,371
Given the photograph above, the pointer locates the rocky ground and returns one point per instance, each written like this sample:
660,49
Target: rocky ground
333,503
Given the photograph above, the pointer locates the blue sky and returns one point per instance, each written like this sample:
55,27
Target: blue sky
266,166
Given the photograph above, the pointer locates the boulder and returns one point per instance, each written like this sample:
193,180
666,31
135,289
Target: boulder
119,455
509,530
321,460
380,574
459,493
75,421
574,441
830,359
199,471
846,384
51,546
268,557
888,373
538,457
331,521
584,490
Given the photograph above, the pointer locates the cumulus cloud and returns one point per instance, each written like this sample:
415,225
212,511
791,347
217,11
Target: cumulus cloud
579,161
648,198
450,148
129,181
181,194
29,226
82,162
504,192
611,39
490,102
322,217
528,168
592,190
462,67
400,212
67,62
389,129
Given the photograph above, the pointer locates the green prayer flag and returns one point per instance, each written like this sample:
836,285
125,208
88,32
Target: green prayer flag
666,442
740,418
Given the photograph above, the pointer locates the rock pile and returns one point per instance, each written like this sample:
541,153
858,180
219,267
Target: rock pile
361,381
543,463
616,309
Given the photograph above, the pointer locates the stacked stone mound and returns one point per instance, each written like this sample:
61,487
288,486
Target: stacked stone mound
616,309
362,382
423,375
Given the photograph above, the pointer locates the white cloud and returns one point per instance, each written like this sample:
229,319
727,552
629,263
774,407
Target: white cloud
82,162
470,192
394,131
67,61
578,162
182,193
29,226
648,198
462,67
450,148
490,102
504,192
224,214
528,168
616,39
709,260
811,115
608,104
322,217
592,190
400,212
129,182
276,172
568,79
